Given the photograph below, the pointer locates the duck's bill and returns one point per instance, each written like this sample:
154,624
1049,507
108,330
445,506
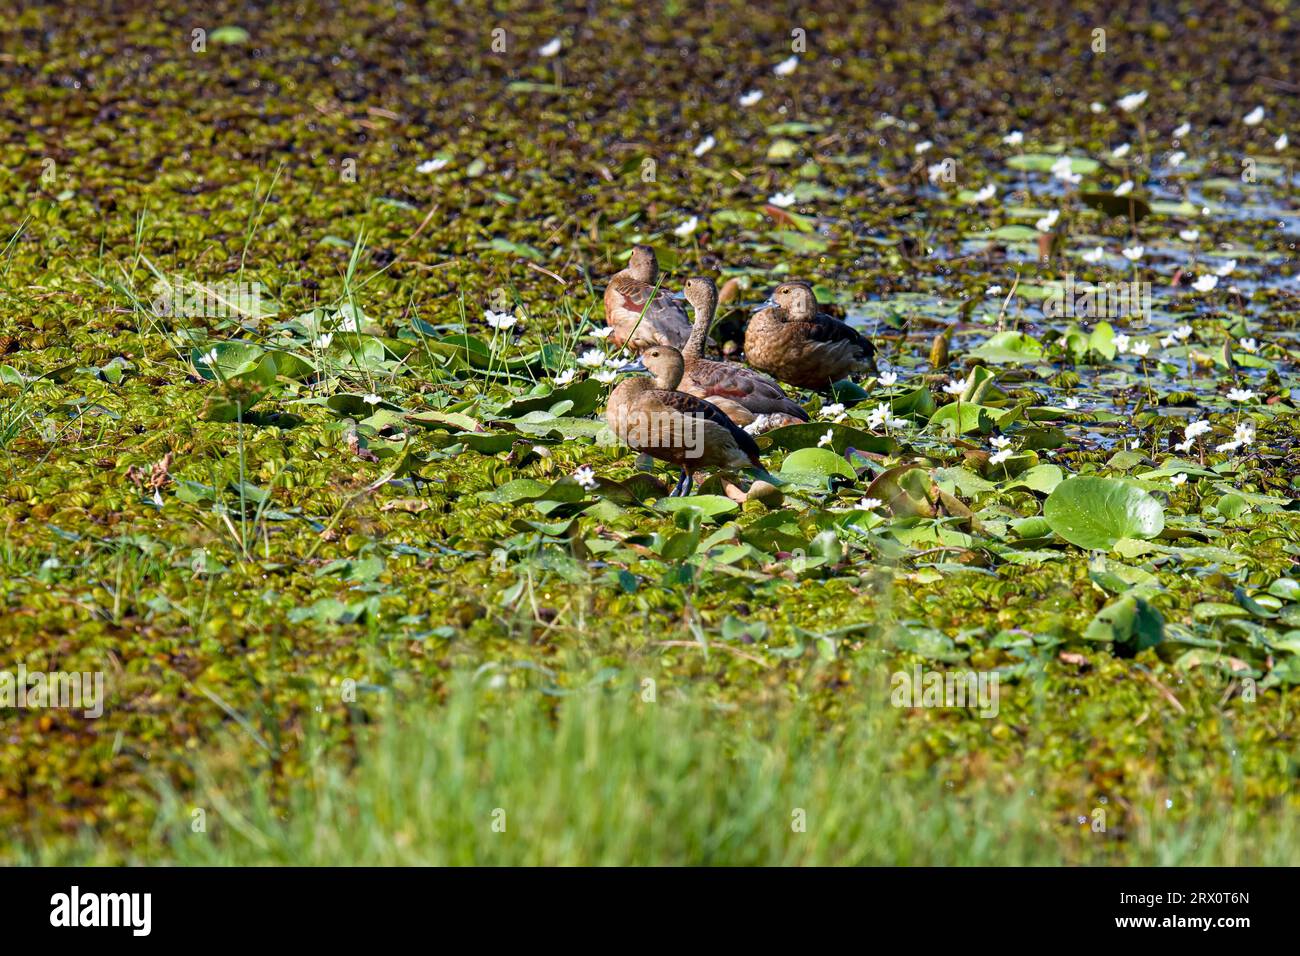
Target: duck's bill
768,303
634,366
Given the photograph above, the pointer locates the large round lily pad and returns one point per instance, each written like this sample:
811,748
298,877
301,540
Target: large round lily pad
1094,513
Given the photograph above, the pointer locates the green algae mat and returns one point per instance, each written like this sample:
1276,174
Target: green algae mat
316,548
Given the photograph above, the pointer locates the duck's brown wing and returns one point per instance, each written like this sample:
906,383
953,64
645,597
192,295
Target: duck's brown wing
690,405
664,322
746,387
823,328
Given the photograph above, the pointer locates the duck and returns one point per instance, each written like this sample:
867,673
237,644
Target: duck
649,414
791,341
746,396
635,325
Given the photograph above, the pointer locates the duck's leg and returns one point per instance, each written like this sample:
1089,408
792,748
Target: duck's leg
677,488
690,483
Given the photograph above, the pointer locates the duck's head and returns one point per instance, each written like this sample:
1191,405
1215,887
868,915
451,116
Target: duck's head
643,266
665,363
796,298
702,293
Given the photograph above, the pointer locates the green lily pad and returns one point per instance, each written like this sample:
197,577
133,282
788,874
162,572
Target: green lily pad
1094,513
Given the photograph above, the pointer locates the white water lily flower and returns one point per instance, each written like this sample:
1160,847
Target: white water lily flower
1121,343
1000,441
432,165
1131,102
879,416
935,171
1014,138
499,320
1063,170
1196,429
551,48
323,341
1183,332
1072,403
1280,143
922,146
1184,446
1245,433
1175,159
1178,479
606,375
786,66
1182,131
1140,349
1189,235
985,194
208,358
1240,394
1093,255
955,387
1250,345
614,362
750,98
1254,117
1124,188
687,227
869,504
1205,283
705,145
1228,446
586,476
604,333
1133,253
827,438
993,290
565,377
1047,222
1226,269
371,399
888,378
592,358
834,412
781,200
1120,151
1169,341
1097,107
999,457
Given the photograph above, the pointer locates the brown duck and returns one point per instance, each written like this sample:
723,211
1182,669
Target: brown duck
792,341
740,392
663,322
650,415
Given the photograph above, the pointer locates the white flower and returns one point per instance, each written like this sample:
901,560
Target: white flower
922,146
551,48
1250,345
1140,349
1240,394
208,358
1254,117
879,416
371,399
1189,235
323,341
750,98
955,387
993,290
1133,253
1071,403
1097,107
781,200
591,358
1205,283
1120,151
586,476
935,171
888,378
687,227
1196,429
826,439
1014,138
1182,131
1121,343
614,362
606,375
565,377
1175,159
1280,143
1169,341
1225,270
1245,433
834,412
604,333
1063,170
1000,441
1183,332
759,424
1178,479
786,66
999,457
869,504
1047,222
1131,102
1184,446
1093,256
705,145
985,194
1124,188
1228,446
499,320
431,165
